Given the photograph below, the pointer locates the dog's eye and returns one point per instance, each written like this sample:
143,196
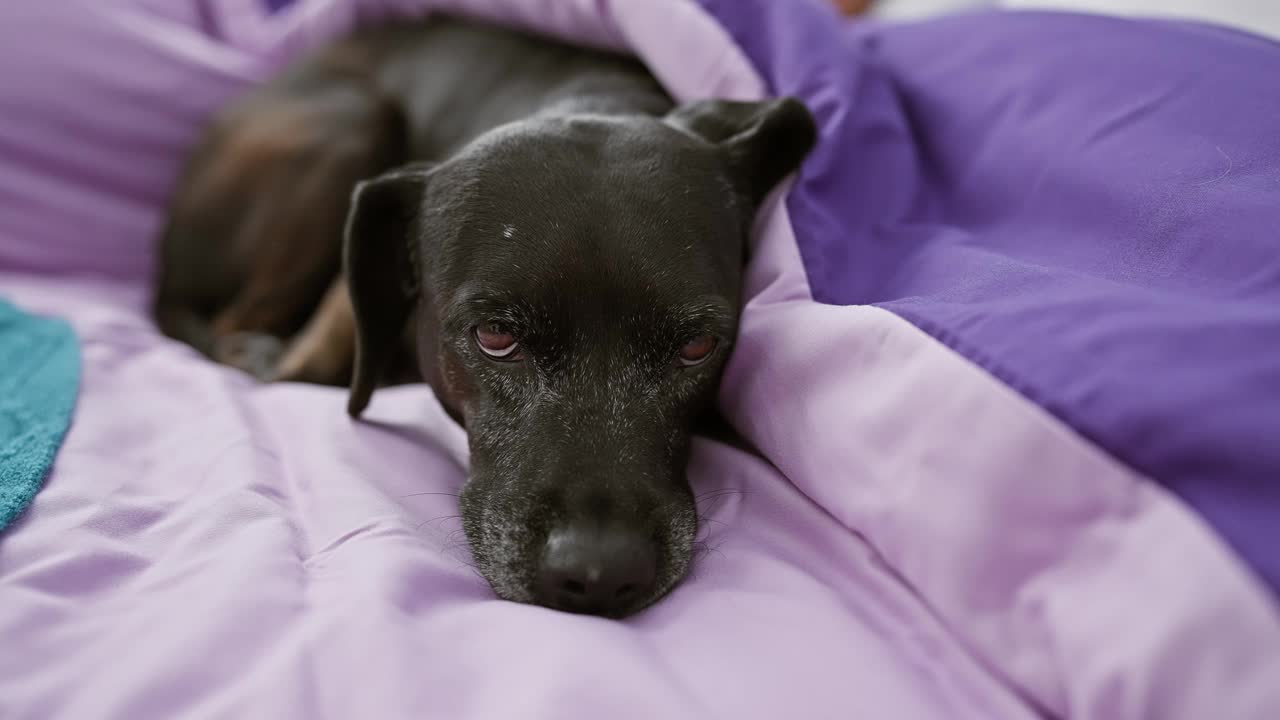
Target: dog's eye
696,350
497,342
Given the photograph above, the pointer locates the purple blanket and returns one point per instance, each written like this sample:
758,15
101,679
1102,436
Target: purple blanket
1009,354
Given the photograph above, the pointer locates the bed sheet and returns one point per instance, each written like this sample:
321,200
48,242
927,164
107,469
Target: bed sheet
918,537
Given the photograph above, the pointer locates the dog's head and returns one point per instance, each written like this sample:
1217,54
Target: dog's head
574,284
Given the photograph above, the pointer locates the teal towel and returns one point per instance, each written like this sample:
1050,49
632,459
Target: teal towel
39,379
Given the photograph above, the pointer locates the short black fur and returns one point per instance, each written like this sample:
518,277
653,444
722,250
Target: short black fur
559,202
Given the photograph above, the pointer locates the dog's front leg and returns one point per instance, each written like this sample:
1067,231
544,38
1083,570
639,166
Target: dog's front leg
323,352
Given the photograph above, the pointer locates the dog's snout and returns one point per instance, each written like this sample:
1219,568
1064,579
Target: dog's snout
600,571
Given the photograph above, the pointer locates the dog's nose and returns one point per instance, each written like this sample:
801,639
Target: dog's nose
597,571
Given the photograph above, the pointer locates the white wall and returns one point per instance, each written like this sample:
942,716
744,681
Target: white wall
1258,16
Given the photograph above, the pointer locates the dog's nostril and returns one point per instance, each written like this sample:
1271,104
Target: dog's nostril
596,570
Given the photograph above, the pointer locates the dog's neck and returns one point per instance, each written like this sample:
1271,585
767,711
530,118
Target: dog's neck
610,91
465,80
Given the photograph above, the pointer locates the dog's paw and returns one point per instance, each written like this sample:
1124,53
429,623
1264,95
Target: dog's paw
255,353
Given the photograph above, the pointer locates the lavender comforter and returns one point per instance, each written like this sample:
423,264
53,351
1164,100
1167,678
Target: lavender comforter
1010,357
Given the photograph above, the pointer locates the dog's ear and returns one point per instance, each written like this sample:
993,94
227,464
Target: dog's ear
380,257
762,141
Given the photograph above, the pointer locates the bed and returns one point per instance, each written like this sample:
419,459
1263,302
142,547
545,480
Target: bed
1008,357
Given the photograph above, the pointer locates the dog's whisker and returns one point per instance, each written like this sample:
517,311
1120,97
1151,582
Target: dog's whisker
705,509
703,548
721,491
442,518
705,519
452,495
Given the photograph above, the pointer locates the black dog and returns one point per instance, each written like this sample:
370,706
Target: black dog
565,267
